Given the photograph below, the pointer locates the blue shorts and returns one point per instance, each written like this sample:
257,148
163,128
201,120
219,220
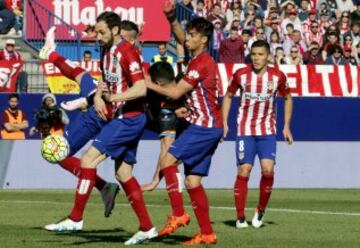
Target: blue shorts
248,146
87,85
84,128
195,147
120,137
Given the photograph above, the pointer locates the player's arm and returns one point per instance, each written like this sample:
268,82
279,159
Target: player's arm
174,92
169,10
288,108
136,91
226,105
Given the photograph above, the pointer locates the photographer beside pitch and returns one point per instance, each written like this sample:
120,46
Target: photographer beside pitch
49,118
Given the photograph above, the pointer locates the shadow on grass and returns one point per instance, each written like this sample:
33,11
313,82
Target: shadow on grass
232,223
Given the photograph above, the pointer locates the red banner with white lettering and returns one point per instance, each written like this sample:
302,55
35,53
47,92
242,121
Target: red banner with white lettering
78,14
9,72
309,80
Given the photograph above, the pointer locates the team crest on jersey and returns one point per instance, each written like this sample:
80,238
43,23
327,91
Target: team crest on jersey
270,85
114,60
194,74
134,66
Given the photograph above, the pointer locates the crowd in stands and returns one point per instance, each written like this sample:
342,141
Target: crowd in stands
11,12
298,31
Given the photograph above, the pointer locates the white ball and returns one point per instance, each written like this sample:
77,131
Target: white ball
55,148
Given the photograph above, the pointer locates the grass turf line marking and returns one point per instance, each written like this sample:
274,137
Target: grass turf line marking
281,210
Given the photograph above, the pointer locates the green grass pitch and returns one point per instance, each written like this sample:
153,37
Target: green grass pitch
295,218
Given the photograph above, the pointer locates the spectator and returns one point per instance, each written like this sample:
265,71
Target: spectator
255,7
304,10
293,19
313,34
274,42
313,55
217,15
249,20
325,22
279,58
49,118
344,23
354,32
348,57
335,56
259,35
297,41
14,121
200,9
245,36
232,49
188,4
273,26
87,56
9,54
288,32
294,58
218,37
234,7
9,10
306,25
355,15
163,55
331,39
344,5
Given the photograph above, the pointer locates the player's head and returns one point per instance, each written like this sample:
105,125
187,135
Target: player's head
108,25
162,73
13,101
260,51
129,31
199,34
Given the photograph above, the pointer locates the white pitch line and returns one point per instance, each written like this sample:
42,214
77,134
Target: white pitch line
281,210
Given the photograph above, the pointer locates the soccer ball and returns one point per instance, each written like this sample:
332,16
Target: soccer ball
55,148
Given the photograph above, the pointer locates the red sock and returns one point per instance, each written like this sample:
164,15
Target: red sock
240,195
65,67
83,190
173,187
135,197
200,205
266,183
72,164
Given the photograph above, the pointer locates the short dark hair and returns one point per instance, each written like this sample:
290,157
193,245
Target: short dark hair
87,52
202,26
246,31
111,19
261,43
162,72
129,26
14,95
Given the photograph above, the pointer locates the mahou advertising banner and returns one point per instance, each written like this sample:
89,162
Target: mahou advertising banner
80,13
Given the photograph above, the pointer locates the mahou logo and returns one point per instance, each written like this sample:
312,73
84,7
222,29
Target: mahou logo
70,12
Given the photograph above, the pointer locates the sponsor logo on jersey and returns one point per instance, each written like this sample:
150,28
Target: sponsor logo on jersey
257,96
111,77
193,74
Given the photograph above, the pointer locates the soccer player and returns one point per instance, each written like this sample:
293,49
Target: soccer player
86,125
198,142
259,85
119,138
162,114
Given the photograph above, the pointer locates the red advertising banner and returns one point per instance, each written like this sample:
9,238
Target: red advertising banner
9,72
78,14
309,80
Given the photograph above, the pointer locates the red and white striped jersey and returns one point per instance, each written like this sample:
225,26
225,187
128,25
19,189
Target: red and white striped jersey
121,69
257,110
205,109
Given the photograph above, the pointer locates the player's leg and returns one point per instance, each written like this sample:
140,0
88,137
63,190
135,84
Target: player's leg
266,149
86,182
134,195
195,169
245,155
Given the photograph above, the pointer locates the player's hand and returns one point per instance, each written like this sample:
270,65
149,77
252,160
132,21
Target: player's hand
32,131
100,107
150,186
181,112
169,6
102,87
225,132
18,12
287,135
